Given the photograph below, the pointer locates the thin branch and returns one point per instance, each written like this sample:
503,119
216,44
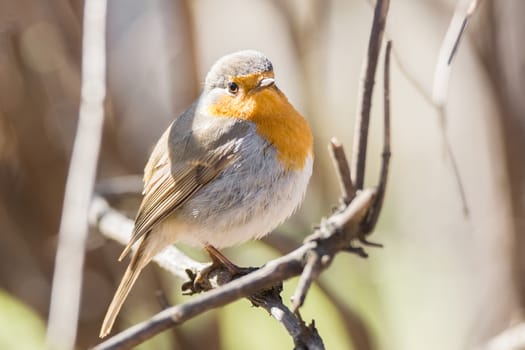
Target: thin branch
453,161
343,170
442,73
310,272
363,116
67,279
442,117
385,166
333,236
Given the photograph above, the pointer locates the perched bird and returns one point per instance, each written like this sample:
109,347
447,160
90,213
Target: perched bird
231,168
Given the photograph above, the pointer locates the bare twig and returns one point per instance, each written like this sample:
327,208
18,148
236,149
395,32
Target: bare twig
343,170
383,177
409,76
365,100
441,86
310,272
67,280
453,162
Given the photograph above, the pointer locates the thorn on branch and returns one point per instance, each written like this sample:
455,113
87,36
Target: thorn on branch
357,250
366,242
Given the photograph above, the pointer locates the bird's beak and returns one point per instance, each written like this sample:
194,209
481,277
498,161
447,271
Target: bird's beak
266,82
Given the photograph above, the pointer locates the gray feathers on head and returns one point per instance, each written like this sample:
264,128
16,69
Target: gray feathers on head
236,64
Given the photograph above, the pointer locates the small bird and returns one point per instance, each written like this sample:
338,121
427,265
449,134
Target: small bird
231,168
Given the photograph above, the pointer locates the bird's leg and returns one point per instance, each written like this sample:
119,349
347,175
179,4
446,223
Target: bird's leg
201,281
218,260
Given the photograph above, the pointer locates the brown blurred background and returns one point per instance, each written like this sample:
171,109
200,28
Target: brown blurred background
443,280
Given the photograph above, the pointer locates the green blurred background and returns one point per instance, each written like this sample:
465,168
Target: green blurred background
443,280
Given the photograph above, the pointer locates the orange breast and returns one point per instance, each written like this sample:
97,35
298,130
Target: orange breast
276,120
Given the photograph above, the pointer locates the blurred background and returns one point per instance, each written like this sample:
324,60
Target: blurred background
444,280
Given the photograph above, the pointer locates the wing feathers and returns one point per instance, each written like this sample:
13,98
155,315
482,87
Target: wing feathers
171,190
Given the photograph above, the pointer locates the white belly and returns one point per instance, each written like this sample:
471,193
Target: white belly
247,201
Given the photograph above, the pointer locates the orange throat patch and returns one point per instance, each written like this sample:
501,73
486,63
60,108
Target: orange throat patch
275,118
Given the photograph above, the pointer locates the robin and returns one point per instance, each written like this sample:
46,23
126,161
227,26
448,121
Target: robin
231,168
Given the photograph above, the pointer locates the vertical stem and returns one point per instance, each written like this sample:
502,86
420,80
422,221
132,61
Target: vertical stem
67,278
363,117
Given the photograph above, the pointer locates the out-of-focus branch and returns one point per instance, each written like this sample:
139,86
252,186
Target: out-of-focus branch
67,279
365,100
512,338
441,75
463,12
114,225
130,185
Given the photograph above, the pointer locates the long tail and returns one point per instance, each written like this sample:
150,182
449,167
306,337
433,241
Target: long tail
140,259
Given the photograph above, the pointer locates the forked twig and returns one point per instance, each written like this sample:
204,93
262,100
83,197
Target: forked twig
356,327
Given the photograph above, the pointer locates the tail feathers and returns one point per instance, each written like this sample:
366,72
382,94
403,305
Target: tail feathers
140,259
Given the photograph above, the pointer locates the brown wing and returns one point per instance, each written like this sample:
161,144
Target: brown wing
170,187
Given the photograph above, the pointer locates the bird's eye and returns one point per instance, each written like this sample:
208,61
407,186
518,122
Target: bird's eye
233,88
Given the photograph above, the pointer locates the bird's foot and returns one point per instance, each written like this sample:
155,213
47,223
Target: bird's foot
220,271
